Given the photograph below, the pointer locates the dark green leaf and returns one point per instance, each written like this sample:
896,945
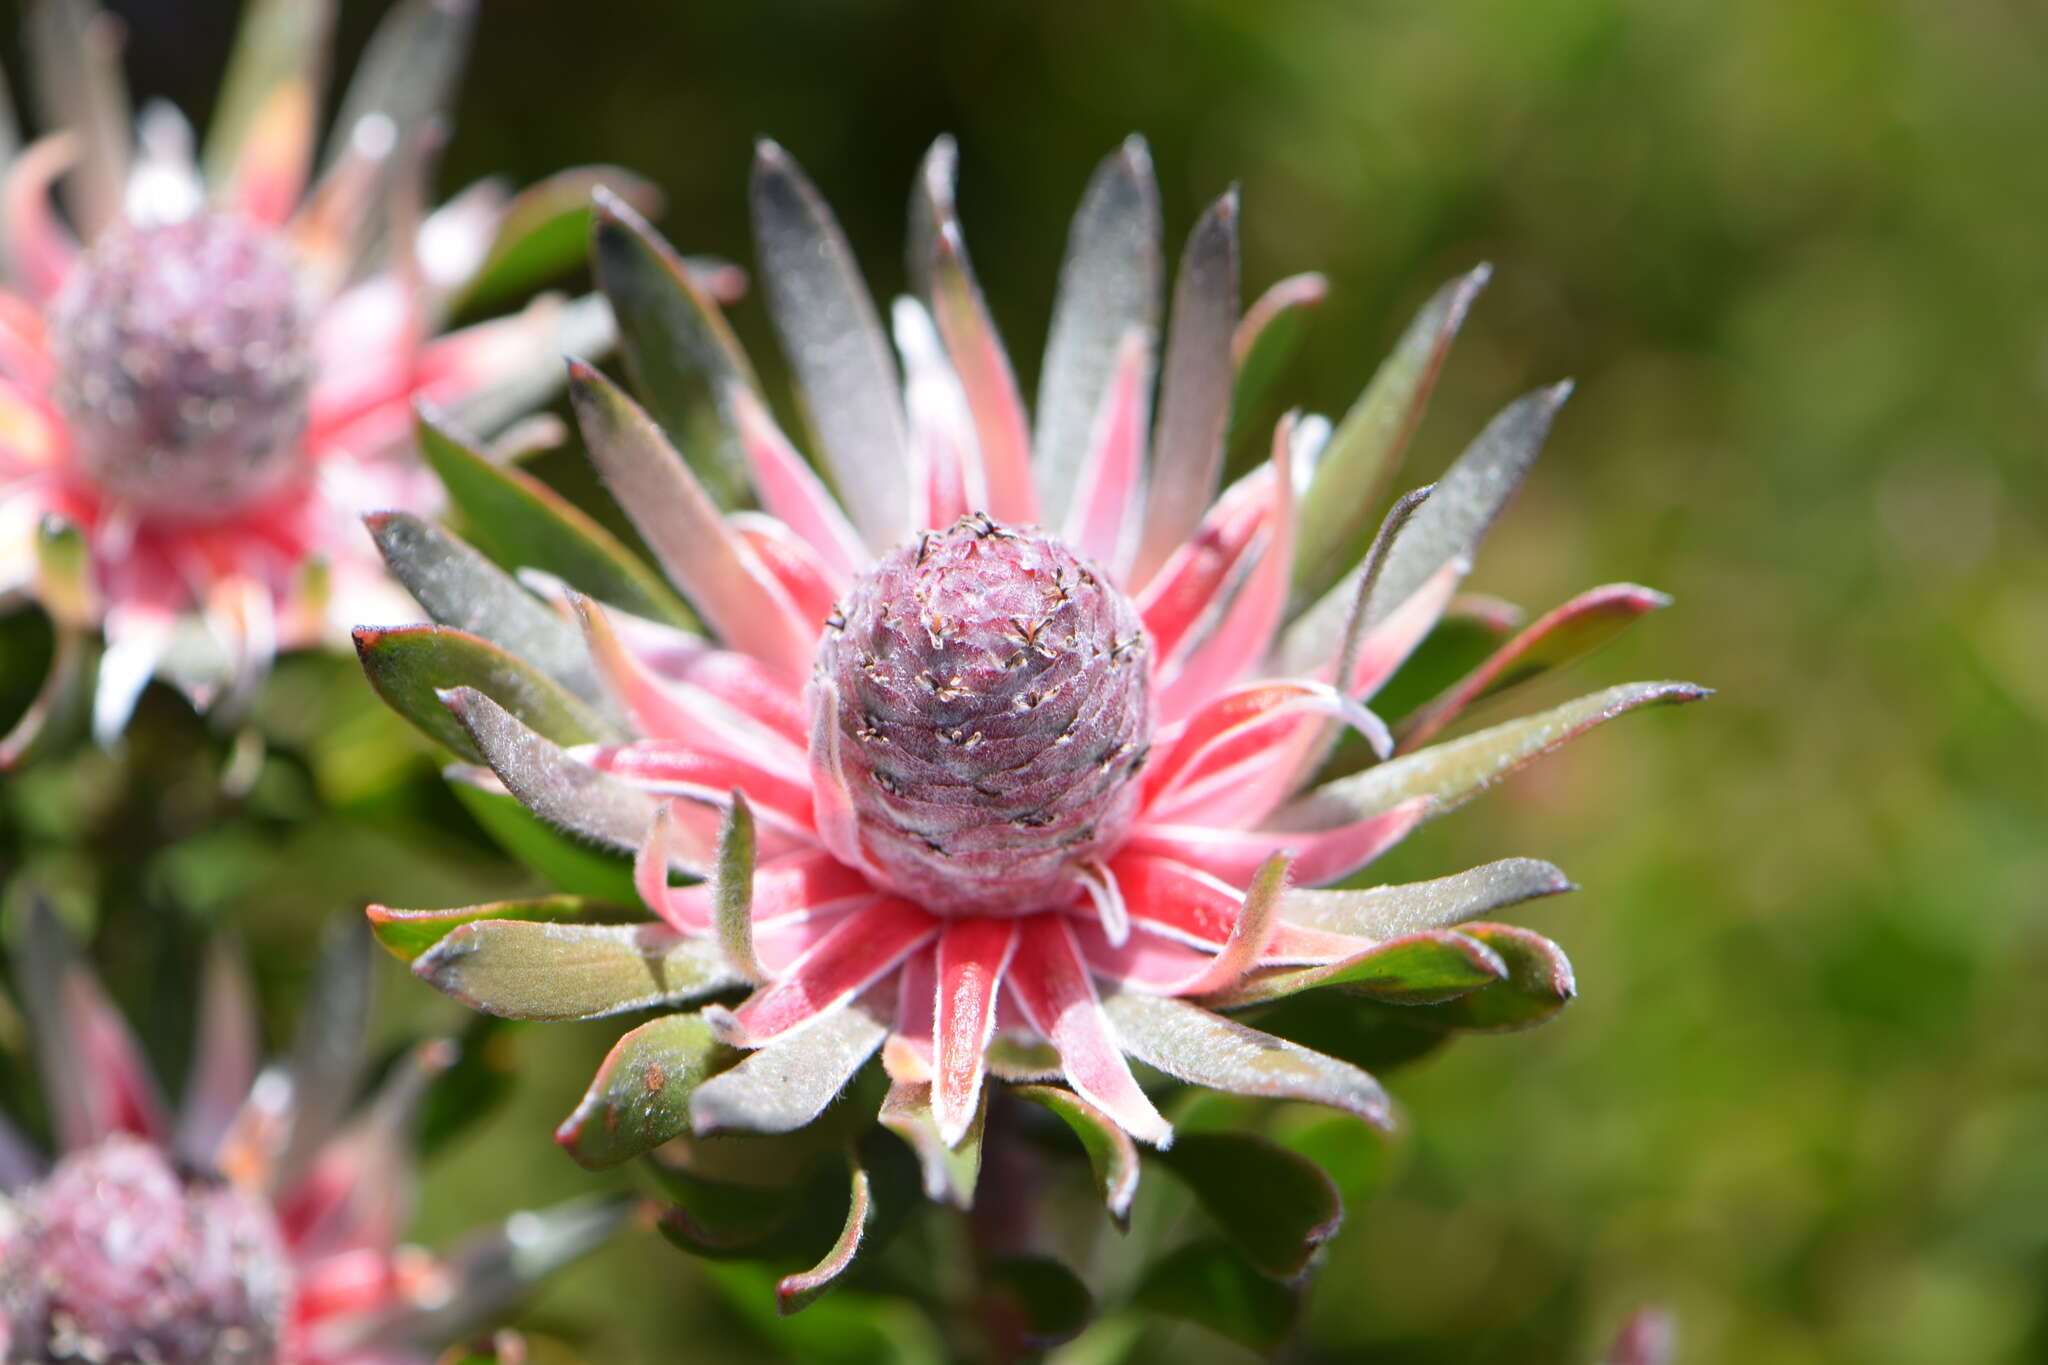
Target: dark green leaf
1415,969
545,230
1111,1152
1275,1207
1539,983
522,523
1046,1302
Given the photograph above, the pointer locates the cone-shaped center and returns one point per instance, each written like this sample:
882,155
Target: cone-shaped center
993,707
184,359
116,1258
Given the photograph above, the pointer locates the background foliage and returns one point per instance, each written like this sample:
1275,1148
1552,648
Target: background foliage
1791,249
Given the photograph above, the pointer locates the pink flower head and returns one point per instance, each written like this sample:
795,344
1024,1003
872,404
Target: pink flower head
208,366
260,1225
1002,759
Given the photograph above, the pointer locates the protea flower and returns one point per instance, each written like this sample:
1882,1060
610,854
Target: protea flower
1001,761
259,1227
207,375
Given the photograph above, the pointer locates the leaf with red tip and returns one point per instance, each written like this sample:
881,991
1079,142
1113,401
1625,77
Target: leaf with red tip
939,261
554,786
96,1076
723,578
1037,1299
1422,968
1358,464
1194,388
1050,983
1202,1048
408,933
522,523
529,969
1209,1283
784,1085
973,954
1384,912
1109,285
640,1097
544,231
1539,983
1111,1154
462,589
950,1167
835,345
410,666
677,345
795,1292
1276,1207
1560,636
1454,772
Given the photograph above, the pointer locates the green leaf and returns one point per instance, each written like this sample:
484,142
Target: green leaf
1457,770
1111,1152
62,705
949,1172
545,230
724,1218
462,589
1276,1207
678,348
1414,969
522,523
279,43
1210,1284
1351,479
409,70
522,969
409,666
1363,1033
1538,985
408,933
732,889
564,860
1046,1302
640,1097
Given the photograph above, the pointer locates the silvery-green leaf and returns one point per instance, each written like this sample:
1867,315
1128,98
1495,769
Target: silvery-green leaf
1457,770
410,69
783,1086
732,889
279,43
75,65
327,1056
461,588
529,969
488,1273
1108,288
1357,467
1194,389
571,795
1194,1045
836,346
1389,911
640,1097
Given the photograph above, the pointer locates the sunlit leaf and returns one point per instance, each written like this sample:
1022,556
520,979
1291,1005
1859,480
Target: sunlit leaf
640,1097
524,969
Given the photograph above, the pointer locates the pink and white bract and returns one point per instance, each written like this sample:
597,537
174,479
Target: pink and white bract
208,366
999,761
260,1224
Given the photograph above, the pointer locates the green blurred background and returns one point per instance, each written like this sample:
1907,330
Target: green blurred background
1793,253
